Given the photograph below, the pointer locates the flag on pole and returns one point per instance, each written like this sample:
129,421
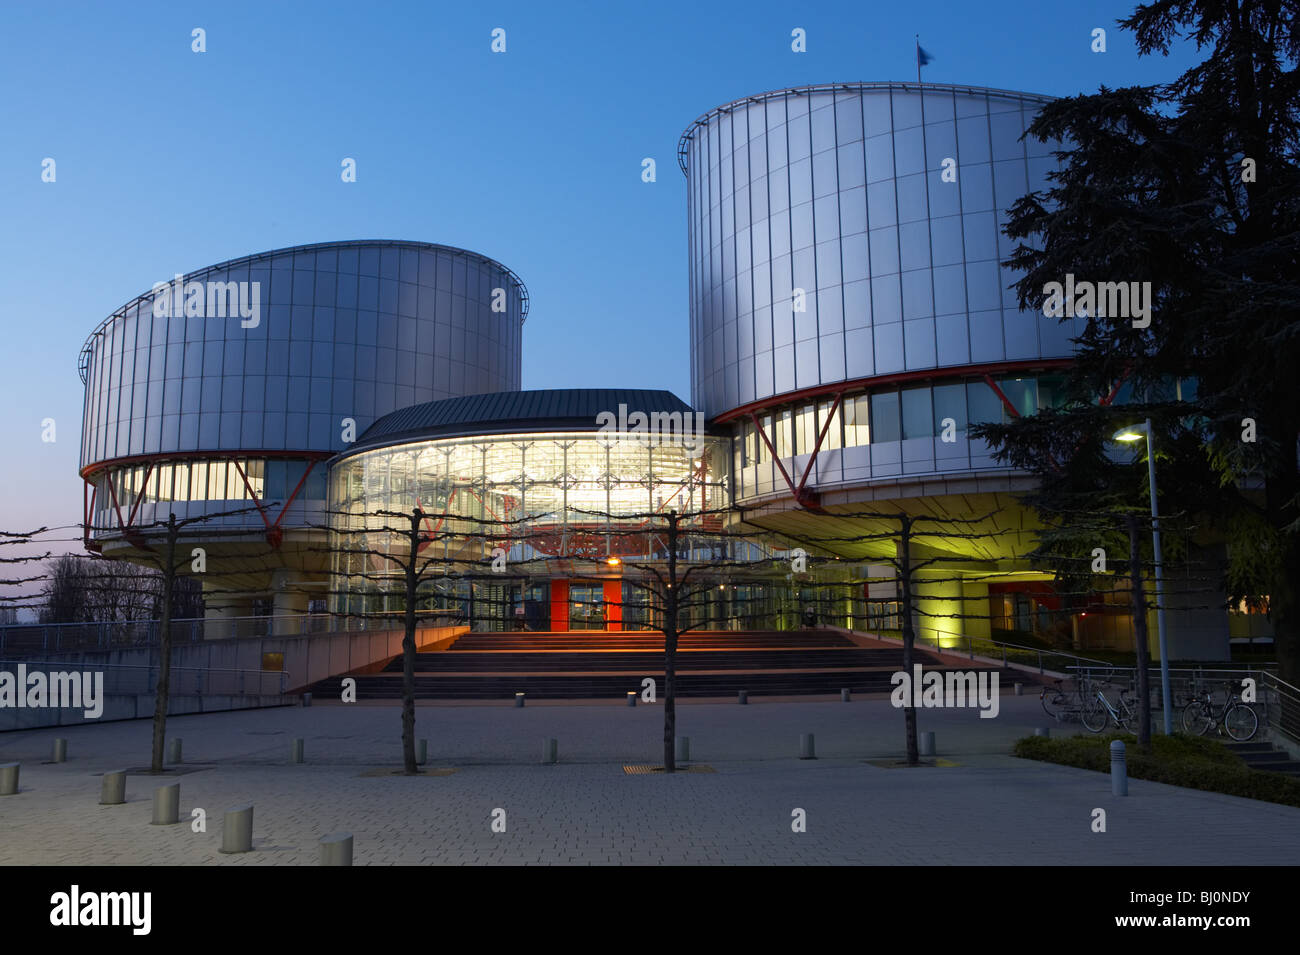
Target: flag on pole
922,58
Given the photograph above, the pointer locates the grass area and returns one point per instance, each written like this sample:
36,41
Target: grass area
1189,761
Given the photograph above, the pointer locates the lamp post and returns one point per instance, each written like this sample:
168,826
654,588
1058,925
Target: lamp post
1135,434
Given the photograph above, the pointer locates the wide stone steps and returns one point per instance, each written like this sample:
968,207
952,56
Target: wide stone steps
597,665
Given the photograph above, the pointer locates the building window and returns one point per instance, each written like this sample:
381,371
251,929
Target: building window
834,433
918,415
950,402
857,427
884,417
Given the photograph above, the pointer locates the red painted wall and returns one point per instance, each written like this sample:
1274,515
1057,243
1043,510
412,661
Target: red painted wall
613,594
559,605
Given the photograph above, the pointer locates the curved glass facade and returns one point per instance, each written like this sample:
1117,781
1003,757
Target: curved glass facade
826,245
581,495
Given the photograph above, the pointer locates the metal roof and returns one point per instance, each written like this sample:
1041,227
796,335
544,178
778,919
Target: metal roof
903,85
509,412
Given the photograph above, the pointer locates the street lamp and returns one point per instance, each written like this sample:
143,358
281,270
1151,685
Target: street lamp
1136,433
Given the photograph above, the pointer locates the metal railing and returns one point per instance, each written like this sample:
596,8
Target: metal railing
143,680
945,641
17,638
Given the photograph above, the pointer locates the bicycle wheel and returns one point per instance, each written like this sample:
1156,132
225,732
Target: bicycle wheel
1197,718
1241,722
1053,701
1094,716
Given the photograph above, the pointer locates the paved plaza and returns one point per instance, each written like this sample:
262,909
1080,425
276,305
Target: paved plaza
988,808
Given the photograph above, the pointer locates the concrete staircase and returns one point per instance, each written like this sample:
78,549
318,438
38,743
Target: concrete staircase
596,665
1263,756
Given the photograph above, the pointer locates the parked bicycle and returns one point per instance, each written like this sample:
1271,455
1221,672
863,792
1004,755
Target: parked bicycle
1098,712
1236,718
1062,703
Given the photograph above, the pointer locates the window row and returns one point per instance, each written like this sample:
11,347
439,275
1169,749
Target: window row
894,414
269,480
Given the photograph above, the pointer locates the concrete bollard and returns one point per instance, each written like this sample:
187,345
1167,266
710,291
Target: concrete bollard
306,699
1020,689
927,744
631,697
1118,769
174,750
237,830
112,790
807,746
742,697
167,805
60,754
8,778
683,749
421,756
296,751
845,696
336,849
519,699
1042,731
550,750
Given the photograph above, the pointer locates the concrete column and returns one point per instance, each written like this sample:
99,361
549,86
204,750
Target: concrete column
220,608
288,601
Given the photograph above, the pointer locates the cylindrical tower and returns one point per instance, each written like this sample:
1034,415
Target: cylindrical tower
850,315
228,388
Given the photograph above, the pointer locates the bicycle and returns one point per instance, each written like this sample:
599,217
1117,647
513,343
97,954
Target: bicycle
1098,712
1237,719
1060,703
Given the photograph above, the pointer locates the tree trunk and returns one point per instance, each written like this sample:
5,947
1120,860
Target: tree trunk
909,636
163,690
1140,635
670,650
408,652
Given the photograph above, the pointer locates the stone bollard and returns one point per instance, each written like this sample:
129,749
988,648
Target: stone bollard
743,697
1042,731
807,745
1118,769
550,751
295,752
631,697
8,778
683,749
421,757
167,805
845,697
336,849
306,699
519,699
112,790
174,750
1020,689
237,830
60,754
927,744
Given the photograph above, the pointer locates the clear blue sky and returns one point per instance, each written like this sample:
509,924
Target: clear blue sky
168,160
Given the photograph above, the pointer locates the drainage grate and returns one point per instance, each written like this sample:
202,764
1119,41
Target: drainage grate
903,764
645,769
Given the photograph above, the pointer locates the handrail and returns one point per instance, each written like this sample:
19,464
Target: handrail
141,678
130,634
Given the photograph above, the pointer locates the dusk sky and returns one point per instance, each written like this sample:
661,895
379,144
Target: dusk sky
170,160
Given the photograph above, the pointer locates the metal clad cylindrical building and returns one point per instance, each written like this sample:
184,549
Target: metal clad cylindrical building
828,247
197,397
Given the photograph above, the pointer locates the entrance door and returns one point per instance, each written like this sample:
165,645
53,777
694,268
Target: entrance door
586,606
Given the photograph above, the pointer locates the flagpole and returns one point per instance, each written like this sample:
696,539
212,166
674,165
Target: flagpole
918,59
